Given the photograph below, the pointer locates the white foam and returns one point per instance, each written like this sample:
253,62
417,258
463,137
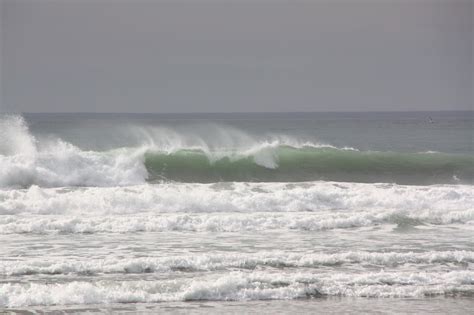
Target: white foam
239,286
230,207
228,222
25,161
206,262
68,166
239,197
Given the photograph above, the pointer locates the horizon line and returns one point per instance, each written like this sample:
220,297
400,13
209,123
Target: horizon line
261,112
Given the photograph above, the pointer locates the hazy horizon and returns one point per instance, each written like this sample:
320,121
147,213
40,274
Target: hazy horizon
274,112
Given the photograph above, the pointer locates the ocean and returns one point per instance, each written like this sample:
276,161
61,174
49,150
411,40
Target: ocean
237,213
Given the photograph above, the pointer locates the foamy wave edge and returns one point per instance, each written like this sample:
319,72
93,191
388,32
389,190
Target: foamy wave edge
216,262
241,286
341,201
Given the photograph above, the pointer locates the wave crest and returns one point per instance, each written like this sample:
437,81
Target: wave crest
240,286
230,155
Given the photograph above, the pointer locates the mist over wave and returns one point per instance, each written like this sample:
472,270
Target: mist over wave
209,153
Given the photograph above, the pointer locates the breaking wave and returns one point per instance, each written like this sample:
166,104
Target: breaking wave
290,164
231,207
240,286
53,162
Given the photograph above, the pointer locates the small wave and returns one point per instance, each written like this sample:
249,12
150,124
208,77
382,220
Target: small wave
228,222
240,286
205,262
235,197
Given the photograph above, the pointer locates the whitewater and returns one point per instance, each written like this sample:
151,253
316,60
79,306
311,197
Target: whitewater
203,212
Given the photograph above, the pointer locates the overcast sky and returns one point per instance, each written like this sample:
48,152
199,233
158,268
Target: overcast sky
236,56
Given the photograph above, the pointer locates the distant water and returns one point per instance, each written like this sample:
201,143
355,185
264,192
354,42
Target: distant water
184,212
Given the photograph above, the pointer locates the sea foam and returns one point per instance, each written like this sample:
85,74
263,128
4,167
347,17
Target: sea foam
25,161
240,286
230,207
217,262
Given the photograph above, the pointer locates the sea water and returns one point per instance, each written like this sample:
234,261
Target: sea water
267,212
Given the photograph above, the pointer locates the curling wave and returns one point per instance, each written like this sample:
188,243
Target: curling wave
53,162
290,164
215,262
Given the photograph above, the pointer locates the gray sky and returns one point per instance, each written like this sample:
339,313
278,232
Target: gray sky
234,56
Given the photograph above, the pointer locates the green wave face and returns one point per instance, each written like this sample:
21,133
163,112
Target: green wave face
306,164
